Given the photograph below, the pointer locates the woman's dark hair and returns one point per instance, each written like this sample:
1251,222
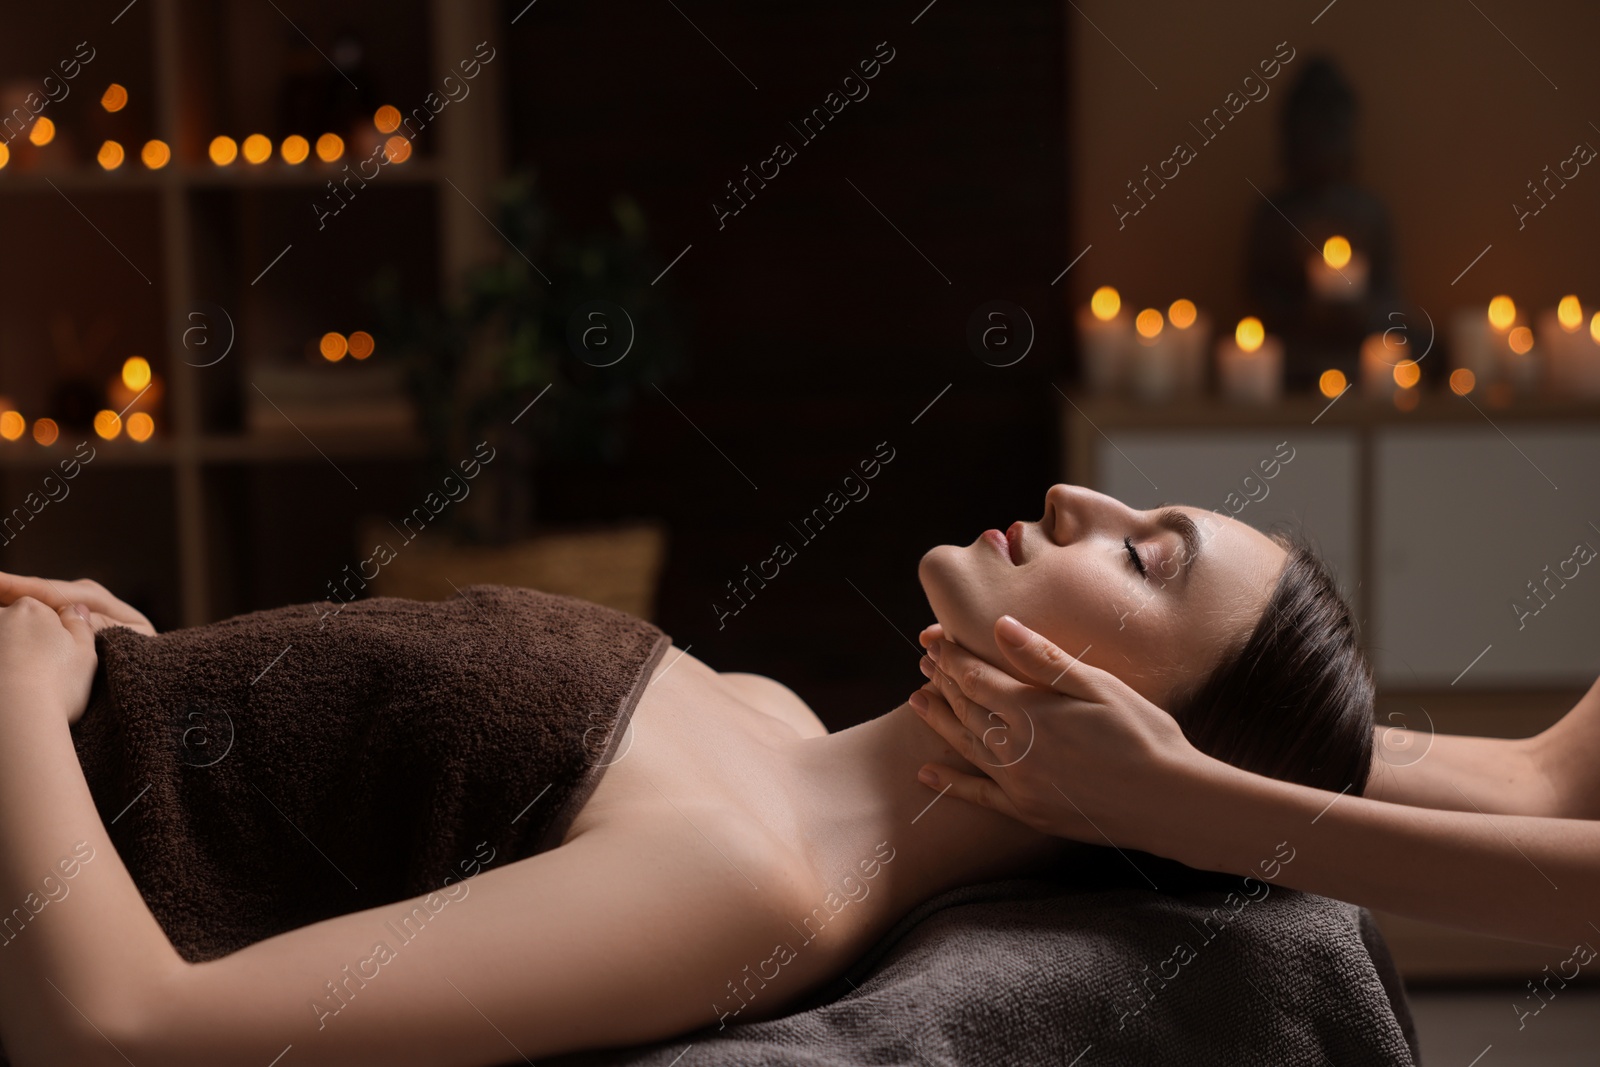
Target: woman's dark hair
1295,701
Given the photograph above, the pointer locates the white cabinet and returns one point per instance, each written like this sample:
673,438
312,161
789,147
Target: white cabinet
1479,551
1468,547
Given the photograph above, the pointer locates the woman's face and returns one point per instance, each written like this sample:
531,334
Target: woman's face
1071,577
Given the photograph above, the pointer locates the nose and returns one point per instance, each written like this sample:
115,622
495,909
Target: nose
1072,512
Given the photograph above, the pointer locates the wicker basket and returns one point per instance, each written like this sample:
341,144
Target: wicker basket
616,566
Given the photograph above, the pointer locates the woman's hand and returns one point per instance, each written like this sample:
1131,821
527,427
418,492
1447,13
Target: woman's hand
104,609
1076,754
47,660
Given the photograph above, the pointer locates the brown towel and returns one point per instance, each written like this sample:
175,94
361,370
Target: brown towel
283,767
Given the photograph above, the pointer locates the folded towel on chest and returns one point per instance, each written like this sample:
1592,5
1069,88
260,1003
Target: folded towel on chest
279,768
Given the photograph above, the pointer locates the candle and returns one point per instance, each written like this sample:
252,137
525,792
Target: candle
1104,337
1519,361
1339,275
1380,366
1476,339
1191,336
1153,362
1571,352
1250,364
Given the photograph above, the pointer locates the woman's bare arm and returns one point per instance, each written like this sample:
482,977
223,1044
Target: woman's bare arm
79,939
614,938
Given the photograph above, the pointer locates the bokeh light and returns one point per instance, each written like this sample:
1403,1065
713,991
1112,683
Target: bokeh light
387,119
1502,312
295,149
333,346
1462,381
1569,313
155,154
108,424
1149,323
1336,252
43,132
141,426
362,345
1521,340
136,372
5,156
224,150
1105,303
45,431
12,425
1250,333
330,146
257,148
397,149
110,156
1594,327
1332,383
1182,314
115,98
1407,373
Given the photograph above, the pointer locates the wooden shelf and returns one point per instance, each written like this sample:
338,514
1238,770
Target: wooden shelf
219,449
200,70
1351,409
271,175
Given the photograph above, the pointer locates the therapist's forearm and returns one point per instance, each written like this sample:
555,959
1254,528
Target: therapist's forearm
78,952
1521,877
1444,770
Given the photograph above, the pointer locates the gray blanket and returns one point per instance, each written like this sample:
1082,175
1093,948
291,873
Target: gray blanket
1038,972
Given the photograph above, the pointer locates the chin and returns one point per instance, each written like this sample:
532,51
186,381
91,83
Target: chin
953,588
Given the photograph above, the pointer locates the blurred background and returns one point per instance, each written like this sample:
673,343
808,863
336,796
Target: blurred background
724,316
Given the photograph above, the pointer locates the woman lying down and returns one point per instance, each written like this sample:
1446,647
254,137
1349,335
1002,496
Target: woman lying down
511,825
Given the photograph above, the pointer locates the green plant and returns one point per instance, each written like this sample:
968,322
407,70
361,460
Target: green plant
475,363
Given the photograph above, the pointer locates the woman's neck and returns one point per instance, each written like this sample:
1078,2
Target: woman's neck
864,781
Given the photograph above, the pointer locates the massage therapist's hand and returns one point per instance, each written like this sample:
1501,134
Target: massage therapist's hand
47,661
105,609
1074,752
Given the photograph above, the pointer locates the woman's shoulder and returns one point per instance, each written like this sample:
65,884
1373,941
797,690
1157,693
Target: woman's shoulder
771,697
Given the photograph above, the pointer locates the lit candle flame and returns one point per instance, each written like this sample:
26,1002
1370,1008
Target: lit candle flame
1570,314
1182,314
1148,324
1336,252
1502,312
1105,303
1250,333
136,372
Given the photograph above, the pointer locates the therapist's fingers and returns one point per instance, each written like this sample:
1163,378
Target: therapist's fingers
975,789
930,634
1036,656
942,719
979,691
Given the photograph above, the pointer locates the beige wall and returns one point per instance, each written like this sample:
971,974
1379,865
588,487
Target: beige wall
1454,121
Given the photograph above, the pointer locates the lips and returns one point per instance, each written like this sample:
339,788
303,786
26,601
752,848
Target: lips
1014,543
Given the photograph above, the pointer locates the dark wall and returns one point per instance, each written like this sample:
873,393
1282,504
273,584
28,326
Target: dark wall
814,330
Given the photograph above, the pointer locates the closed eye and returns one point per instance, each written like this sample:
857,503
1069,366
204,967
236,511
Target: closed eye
1133,554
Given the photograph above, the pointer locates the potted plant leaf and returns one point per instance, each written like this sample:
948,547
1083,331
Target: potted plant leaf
541,356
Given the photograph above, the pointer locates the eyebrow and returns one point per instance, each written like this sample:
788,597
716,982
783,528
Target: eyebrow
1176,521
